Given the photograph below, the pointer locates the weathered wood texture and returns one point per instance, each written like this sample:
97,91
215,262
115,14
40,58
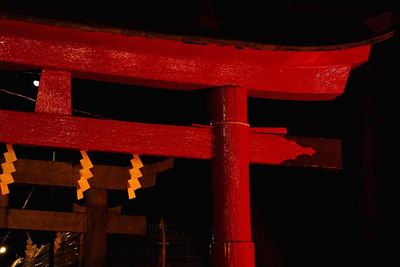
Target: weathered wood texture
51,173
232,245
54,93
156,62
68,221
123,224
42,220
151,139
201,40
328,153
104,135
96,235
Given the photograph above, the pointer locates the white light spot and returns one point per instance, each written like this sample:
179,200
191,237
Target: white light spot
3,250
36,83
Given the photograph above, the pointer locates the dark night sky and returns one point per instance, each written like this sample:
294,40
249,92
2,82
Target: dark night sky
301,216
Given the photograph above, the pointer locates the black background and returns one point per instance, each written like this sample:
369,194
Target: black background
301,217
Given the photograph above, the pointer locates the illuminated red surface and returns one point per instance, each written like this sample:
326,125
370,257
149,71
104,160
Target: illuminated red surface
54,92
69,132
166,63
234,254
63,53
230,179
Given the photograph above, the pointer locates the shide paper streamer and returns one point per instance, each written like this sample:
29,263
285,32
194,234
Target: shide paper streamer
84,175
133,183
8,168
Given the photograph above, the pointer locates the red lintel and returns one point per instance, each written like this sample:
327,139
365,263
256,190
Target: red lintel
158,62
69,132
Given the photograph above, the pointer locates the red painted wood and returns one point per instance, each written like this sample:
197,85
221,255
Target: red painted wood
64,53
262,140
235,254
54,92
274,148
78,133
230,178
166,63
103,135
274,130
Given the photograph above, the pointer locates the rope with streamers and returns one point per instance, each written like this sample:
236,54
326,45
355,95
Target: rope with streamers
84,175
133,182
8,168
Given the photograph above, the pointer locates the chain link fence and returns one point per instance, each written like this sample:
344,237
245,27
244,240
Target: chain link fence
183,249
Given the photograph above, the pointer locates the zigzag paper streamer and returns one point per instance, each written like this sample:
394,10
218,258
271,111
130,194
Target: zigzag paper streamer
8,168
84,175
133,183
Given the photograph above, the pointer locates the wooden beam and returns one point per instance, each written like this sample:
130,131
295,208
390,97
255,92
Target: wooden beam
48,173
328,153
42,220
190,39
68,221
156,62
149,139
122,224
52,173
104,135
274,148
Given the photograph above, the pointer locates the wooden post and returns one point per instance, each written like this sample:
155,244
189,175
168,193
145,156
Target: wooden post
96,236
4,202
81,250
230,179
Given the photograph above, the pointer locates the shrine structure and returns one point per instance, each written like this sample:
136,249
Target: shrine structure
231,70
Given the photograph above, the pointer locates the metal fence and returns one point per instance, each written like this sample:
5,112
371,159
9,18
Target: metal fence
183,249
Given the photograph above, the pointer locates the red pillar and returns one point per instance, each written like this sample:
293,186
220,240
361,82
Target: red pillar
54,93
230,179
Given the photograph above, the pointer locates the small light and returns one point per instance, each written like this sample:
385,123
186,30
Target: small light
3,249
36,83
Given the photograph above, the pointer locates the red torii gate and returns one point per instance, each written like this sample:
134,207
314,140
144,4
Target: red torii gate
172,63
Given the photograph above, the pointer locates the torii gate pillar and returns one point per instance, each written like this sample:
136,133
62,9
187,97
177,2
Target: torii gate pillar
232,244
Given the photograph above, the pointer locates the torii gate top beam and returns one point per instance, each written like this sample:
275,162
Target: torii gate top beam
169,63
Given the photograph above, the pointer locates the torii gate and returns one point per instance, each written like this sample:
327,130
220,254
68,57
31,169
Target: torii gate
180,63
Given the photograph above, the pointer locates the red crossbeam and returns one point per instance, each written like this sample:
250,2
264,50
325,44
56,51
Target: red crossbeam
165,63
78,133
